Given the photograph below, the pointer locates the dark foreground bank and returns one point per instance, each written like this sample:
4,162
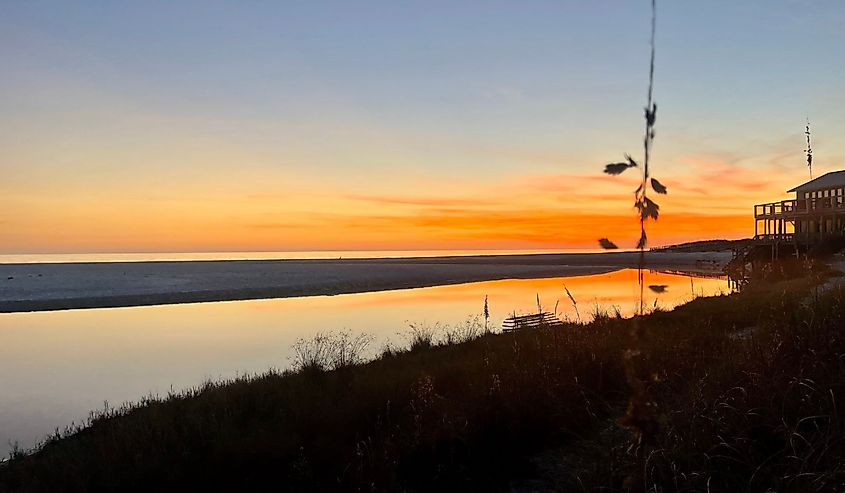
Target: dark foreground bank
742,393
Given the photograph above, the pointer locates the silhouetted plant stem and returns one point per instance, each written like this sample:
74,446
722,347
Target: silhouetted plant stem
641,415
648,139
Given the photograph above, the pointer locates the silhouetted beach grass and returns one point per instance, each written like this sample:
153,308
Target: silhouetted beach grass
748,393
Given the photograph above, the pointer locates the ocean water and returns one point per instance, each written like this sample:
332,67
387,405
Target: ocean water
320,254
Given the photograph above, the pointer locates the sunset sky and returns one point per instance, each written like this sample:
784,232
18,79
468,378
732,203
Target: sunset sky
218,126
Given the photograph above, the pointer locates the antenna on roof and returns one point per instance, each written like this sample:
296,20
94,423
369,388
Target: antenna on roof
809,150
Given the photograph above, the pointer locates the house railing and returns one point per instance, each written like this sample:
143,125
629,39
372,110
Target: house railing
804,237
798,207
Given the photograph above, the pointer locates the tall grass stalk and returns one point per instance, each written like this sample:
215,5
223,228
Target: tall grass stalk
486,315
574,303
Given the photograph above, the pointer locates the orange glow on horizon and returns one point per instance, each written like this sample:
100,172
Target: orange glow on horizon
526,212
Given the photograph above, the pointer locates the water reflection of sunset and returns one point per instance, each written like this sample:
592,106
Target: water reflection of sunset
68,362
614,289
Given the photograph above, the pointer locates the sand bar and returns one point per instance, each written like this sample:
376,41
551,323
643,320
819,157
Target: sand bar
60,286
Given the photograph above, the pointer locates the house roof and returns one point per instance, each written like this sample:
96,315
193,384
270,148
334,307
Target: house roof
827,180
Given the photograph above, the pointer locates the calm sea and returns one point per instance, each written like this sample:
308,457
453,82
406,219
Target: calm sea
322,254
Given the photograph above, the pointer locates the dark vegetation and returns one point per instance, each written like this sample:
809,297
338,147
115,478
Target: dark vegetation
704,246
749,394
828,246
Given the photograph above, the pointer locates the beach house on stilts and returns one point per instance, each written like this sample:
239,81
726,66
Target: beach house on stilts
813,220
815,214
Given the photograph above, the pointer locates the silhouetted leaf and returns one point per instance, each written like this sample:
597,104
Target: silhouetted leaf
658,288
607,244
648,209
616,168
657,186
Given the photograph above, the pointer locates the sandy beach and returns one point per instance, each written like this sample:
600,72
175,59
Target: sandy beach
60,286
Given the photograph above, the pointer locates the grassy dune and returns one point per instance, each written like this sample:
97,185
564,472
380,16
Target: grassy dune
746,391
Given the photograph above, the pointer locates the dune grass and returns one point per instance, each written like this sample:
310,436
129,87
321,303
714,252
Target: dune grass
747,395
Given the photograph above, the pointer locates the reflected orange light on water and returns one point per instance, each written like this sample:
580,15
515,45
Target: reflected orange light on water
613,289
67,363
